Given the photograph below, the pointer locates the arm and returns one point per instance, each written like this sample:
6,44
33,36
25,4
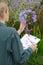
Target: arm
19,55
21,28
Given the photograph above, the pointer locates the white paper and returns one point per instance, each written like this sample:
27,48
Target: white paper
27,40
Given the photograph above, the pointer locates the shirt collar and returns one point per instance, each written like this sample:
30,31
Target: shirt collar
2,24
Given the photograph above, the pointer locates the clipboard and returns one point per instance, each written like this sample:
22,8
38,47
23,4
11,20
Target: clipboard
28,39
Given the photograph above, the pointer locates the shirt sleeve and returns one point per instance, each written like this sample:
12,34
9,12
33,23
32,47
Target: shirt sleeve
19,55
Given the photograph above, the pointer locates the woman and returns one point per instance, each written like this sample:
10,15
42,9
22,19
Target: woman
11,49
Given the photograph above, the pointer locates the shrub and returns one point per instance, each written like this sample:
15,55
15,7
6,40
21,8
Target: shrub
40,20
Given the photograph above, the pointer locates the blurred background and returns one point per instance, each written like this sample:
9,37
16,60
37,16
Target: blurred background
15,7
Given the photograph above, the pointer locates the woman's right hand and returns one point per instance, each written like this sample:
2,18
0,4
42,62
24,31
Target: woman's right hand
33,47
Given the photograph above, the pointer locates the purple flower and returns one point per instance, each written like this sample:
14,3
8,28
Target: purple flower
34,19
23,15
33,12
29,11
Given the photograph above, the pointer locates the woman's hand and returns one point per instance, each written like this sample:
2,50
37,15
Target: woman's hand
33,47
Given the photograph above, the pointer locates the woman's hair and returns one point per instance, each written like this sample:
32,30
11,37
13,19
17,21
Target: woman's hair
3,8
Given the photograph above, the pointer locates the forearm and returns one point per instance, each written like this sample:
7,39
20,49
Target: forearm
26,55
21,28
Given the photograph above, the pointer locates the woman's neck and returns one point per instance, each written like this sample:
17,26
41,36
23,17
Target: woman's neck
2,21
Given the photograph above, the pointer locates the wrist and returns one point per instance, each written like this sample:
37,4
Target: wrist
19,32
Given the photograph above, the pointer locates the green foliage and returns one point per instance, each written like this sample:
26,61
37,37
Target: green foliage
11,20
35,59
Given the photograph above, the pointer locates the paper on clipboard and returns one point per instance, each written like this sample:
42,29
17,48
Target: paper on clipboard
27,40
